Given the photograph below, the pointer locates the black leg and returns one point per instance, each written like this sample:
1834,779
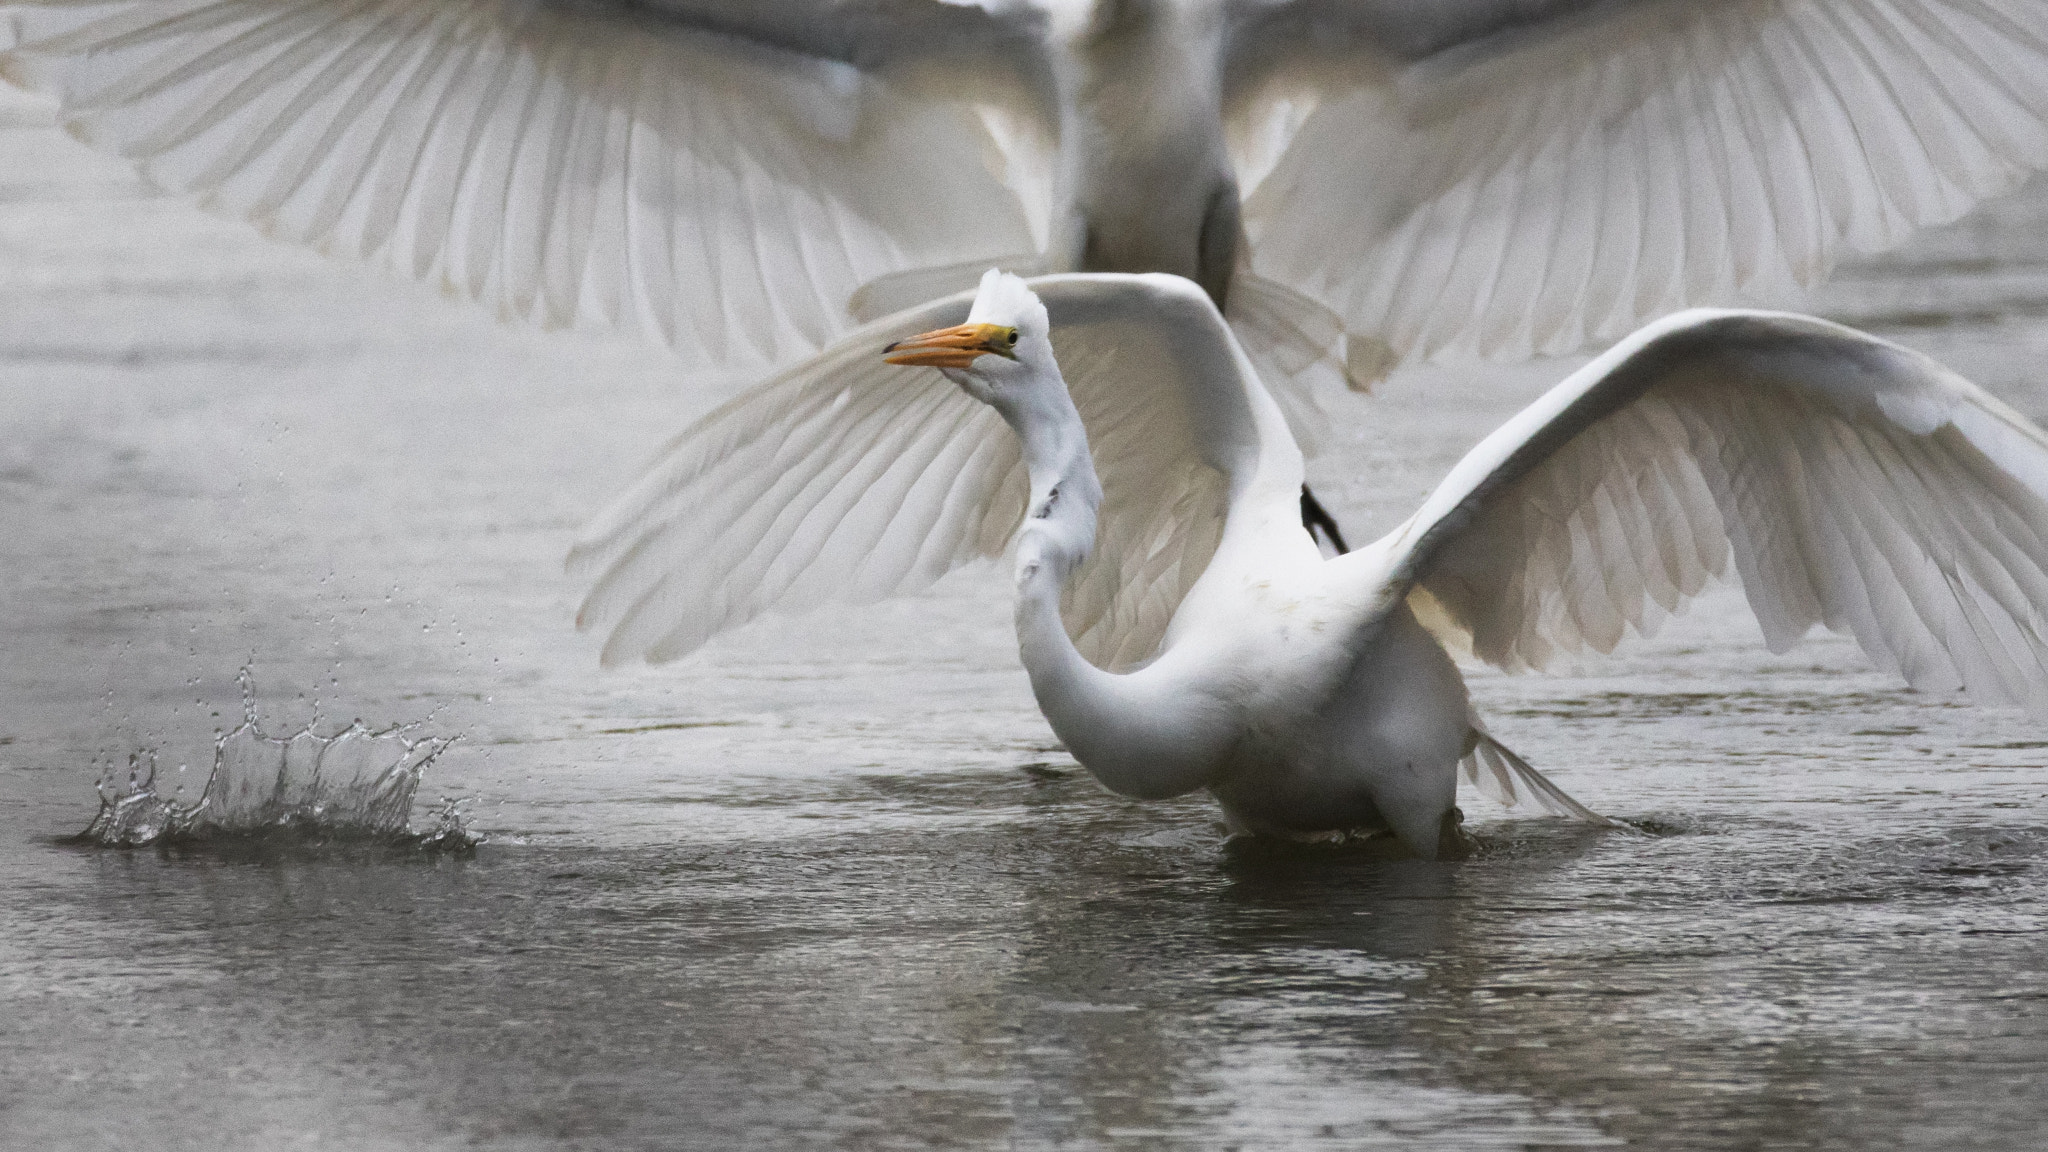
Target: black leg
1451,841
1315,517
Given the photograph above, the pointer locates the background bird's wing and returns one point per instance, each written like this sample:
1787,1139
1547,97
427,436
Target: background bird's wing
1510,177
847,480
723,176
1856,483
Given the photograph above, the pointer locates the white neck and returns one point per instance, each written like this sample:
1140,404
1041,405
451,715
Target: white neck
1122,728
1058,534
1139,84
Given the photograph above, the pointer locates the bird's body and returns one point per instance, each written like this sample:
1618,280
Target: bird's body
1182,632
1140,92
1303,695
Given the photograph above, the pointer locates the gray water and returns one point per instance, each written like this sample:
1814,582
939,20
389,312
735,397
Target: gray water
830,883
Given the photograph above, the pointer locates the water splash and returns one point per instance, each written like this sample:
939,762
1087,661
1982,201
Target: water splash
355,785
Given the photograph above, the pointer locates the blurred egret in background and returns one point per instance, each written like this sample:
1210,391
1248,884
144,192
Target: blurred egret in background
1354,182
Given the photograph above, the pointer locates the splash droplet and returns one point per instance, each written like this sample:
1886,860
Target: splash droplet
356,784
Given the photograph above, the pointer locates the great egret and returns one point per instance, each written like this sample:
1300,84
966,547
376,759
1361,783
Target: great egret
1181,630
748,179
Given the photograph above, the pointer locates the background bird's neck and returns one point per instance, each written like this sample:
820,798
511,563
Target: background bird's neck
1144,159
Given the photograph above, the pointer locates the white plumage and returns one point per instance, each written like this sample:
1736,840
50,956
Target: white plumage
559,162
1853,482
847,480
749,179
1558,186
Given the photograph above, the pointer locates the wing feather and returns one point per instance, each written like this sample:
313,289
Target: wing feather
723,188
1854,483
847,480
1560,181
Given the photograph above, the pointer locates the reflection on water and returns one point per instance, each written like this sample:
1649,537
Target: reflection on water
1085,972
307,786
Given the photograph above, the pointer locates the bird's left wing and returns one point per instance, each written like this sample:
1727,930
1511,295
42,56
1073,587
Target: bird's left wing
848,480
1856,484
1508,177
723,175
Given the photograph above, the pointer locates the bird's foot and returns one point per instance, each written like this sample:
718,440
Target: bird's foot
1451,841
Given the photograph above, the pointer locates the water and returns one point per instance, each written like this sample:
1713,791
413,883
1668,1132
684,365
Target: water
831,883
313,786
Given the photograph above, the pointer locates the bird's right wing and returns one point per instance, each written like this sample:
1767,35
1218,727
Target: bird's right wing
722,176
847,480
1856,483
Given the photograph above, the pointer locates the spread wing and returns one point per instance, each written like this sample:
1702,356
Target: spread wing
1856,484
1547,175
847,480
723,176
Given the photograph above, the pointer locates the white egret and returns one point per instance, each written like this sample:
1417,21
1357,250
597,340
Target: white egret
1182,631
747,179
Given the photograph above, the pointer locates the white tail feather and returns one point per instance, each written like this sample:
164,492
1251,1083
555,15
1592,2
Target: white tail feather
1494,769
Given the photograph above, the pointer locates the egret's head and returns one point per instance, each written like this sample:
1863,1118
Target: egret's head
1002,347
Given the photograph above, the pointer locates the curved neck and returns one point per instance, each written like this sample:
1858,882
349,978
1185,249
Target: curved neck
1134,738
1058,534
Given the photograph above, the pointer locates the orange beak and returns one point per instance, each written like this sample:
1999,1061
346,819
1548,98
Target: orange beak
953,347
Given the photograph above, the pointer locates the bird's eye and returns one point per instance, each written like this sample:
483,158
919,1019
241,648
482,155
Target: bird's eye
1009,337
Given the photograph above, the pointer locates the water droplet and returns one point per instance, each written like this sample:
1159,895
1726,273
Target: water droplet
356,783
